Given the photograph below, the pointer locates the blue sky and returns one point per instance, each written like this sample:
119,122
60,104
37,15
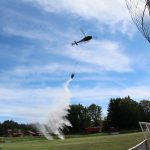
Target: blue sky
36,56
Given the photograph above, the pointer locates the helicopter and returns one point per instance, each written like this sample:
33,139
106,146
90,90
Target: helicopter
85,39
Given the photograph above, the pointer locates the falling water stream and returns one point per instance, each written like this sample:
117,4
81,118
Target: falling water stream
56,120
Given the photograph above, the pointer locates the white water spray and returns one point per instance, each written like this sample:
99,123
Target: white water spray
56,120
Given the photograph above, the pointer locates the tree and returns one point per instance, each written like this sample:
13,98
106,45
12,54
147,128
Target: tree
145,104
124,113
95,114
78,117
8,124
113,112
105,125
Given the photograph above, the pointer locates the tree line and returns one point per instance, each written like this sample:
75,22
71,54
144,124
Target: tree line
125,113
122,113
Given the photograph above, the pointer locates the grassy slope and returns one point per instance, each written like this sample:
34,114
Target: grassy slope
109,142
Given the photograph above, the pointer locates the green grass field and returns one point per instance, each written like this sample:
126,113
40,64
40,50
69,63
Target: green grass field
91,142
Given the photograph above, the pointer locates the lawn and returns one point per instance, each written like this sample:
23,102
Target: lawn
91,142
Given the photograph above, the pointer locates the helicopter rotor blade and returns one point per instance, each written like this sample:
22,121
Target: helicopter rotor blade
82,32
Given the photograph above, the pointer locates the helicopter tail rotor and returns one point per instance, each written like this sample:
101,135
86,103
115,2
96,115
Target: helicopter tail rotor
74,43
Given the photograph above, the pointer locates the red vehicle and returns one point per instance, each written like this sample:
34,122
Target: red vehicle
93,129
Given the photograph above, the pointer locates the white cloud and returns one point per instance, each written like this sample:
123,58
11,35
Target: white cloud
98,57
95,57
28,33
51,68
106,55
33,104
30,95
101,94
112,13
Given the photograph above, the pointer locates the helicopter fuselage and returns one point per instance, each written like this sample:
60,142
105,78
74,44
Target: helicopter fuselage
85,39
